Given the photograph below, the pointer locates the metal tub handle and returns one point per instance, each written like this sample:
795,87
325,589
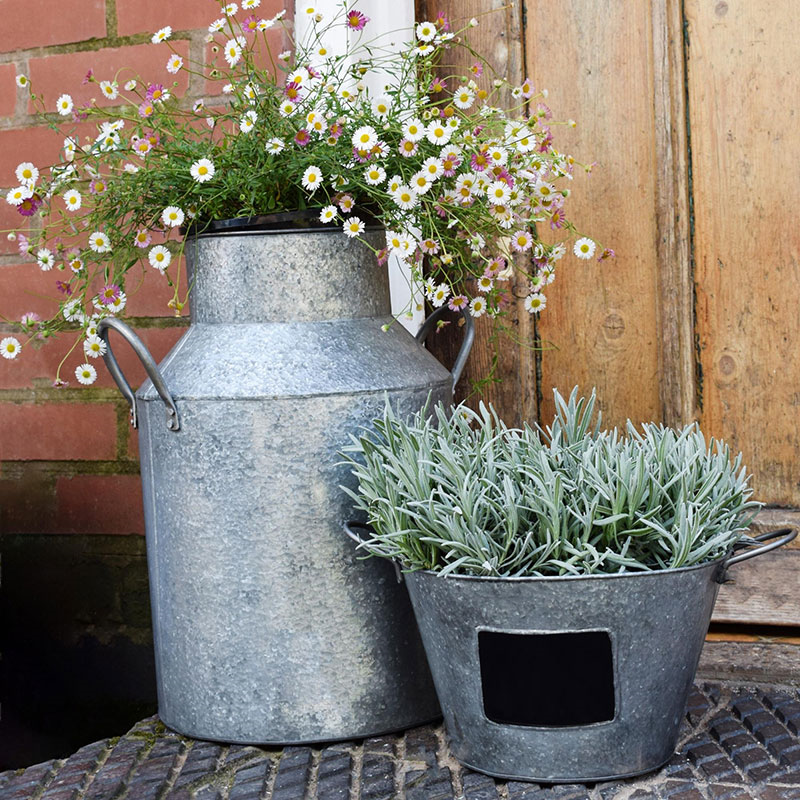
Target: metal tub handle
786,535
348,529
466,345
149,364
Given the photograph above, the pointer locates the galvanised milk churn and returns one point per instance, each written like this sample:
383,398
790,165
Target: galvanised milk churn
268,628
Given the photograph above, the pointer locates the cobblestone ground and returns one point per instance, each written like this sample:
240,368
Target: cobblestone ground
737,743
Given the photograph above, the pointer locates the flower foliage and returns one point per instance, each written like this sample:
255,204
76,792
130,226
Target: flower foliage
459,183
462,493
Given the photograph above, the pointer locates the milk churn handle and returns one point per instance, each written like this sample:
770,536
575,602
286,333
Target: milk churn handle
149,364
348,529
466,345
786,534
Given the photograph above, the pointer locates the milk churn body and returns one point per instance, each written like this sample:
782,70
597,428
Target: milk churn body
268,628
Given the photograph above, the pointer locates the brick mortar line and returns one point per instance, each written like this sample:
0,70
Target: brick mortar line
313,773
92,773
445,759
70,469
48,780
356,767
269,784
175,768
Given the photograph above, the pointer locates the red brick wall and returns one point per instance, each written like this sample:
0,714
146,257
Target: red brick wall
68,461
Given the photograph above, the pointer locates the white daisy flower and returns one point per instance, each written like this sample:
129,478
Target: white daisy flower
174,64
117,304
374,176
426,31
381,106
463,98
130,85
353,227
162,35
45,259
421,182
22,81
248,121
94,347
17,196
584,248
485,284
64,105
131,168
202,170
230,9
10,347
498,156
300,76
233,52
424,49
498,193
433,167
558,252
544,190
216,26
99,242
535,302
26,173
248,5
159,257
440,295
414,130
172,216
265,24
69,148
405,197
275,145
395,182
365,138
72,200
477,306
287,108
429,288
73,312
312,178
86,374
522,241
76,264
438,133
328,214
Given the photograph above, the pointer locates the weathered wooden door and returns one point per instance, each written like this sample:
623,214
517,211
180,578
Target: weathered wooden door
691,109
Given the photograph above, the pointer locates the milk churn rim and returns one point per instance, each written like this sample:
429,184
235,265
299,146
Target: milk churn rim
303,221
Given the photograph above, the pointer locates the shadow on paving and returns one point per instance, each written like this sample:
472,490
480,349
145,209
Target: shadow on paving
737,743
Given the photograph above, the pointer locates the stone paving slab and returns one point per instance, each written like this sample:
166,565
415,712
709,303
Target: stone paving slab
737,743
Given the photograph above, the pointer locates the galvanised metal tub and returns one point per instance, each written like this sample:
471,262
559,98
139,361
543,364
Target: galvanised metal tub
268,627
567,679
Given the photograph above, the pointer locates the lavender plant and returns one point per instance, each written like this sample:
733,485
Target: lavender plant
459,183
462,493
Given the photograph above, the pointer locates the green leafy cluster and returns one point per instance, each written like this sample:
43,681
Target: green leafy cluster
462,493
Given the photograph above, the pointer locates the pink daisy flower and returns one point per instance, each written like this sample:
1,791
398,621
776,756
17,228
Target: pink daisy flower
142,238
250,24
383,256
292,91
494,267
336,130
429,246
98,186
522,241
458,302
356,20
557,219
527,88
64,288
108,294
146,109
476,69
155,92
302,137
479,161
407,148
606,254
30,205
438,85
442,22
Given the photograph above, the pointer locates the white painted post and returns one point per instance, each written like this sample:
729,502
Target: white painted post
385,18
